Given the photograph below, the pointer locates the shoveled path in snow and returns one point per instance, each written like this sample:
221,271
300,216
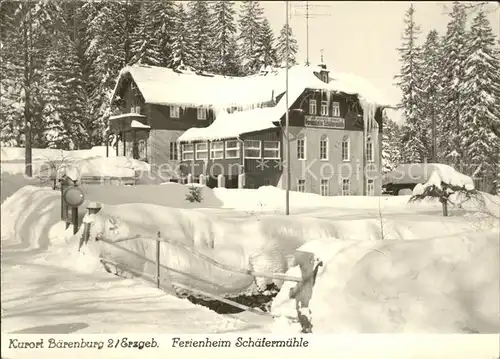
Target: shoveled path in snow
41,293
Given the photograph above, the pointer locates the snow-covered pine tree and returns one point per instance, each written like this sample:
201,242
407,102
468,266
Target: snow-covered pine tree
431,90
481,98
391,144
199,19
225,58
182,46
112,32
409,80
152,37
454,54
67,115
265,48
11,113
110,28
22,64
293,47
250,24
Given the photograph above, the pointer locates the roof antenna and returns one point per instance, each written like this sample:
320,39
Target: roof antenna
322,56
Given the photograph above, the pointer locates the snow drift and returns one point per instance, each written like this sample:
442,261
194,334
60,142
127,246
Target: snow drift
432,286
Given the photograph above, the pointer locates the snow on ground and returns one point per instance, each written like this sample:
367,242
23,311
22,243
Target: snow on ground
49,162
440,285
12,158
234,226
63,291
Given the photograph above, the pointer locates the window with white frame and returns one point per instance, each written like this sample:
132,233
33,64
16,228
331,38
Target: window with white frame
312,107
217,150
323,148
202,151
370,187
252,149
346,187
187,152
324,108
369,150
301,185
335,109
175,111
232,149
201,113
301,147
272,150
346,149
174,151
324,187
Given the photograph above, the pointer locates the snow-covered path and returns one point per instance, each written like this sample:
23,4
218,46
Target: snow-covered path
54,298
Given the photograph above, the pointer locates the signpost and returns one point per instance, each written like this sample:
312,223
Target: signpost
325,122
71,198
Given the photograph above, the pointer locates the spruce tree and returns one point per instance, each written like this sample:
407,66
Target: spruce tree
431,104
391,144
481,98
153,35
182,46
250,24
265,47
112,32
225,60
409,80
22,64
453,59
199,18
293,47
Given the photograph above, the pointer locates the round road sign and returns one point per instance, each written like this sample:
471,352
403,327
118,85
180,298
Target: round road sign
73,196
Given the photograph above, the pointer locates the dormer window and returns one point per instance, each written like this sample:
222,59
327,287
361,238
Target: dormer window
174,111
335,109
202,113
324,77
312,107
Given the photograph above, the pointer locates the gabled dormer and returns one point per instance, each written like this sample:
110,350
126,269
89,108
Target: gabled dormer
323,73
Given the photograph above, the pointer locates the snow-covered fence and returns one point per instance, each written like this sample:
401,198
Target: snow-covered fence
302,292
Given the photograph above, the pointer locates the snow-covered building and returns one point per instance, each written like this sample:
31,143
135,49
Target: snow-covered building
185,123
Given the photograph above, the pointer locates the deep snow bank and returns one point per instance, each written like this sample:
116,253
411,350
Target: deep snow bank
247,246
432,286
169,195
28,215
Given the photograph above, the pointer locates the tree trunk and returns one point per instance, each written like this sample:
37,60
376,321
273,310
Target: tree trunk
444,202
28,170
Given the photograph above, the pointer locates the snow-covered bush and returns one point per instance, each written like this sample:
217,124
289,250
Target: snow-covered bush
436,187
194,194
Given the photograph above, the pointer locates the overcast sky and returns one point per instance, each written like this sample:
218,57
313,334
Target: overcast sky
362,37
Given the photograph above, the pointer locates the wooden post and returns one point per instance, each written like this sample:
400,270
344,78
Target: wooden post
158,261
302,293
74,219
444,202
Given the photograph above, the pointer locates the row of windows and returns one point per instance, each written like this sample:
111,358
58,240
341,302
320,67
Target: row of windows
324,147
324,108
226,149
346,187
201,113
253,150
